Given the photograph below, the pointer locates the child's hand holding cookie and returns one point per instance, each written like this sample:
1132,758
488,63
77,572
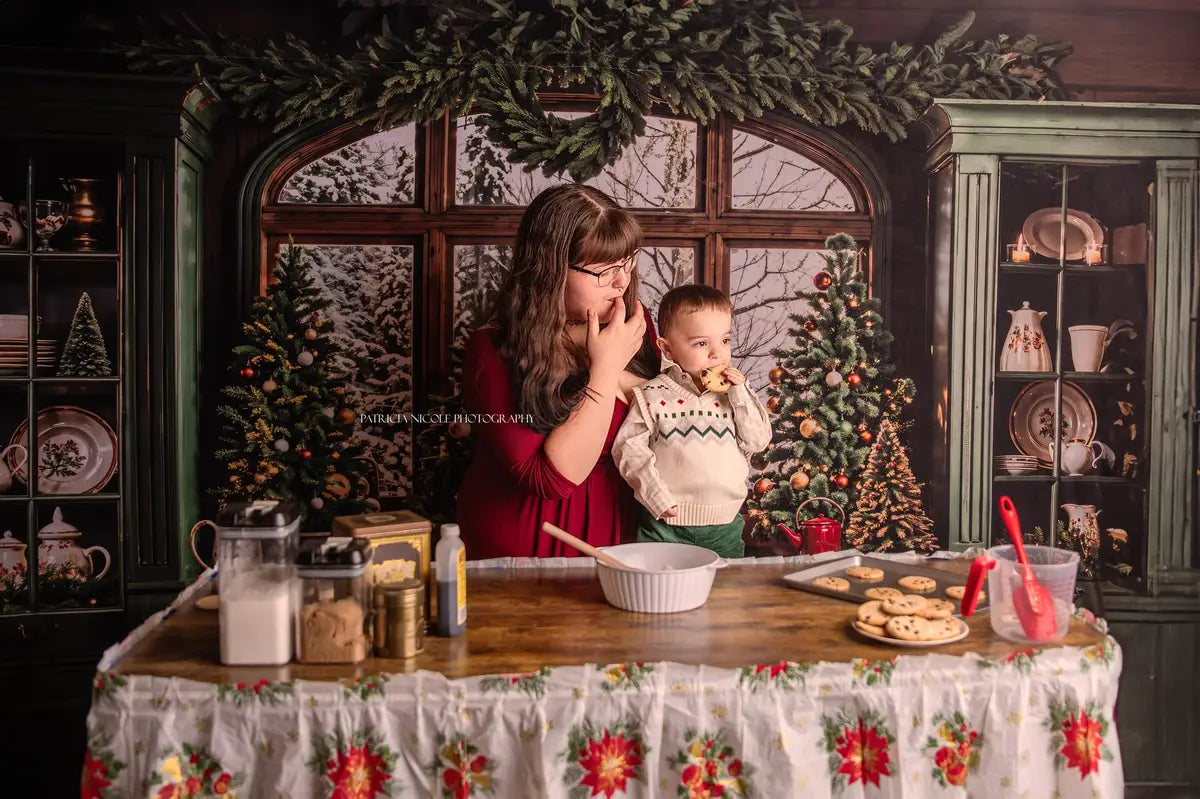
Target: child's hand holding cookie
734,376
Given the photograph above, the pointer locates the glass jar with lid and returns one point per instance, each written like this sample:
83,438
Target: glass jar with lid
256,547
334,599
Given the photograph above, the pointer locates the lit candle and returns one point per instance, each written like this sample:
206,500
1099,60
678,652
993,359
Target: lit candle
1020,253
1092,254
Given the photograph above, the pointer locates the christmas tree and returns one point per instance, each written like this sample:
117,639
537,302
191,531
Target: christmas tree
825,395
888,515
84,354
287,430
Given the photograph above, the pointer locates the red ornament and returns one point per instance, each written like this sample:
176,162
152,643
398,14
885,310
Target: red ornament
810,325
823,280
854,378
762,485
306,454
247,372
866,435
841,480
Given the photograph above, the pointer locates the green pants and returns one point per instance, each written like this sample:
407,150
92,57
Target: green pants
724,539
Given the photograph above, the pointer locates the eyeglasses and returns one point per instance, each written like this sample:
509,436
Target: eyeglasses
607,276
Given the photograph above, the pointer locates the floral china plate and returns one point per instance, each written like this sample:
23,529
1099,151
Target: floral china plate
1031,422
76,453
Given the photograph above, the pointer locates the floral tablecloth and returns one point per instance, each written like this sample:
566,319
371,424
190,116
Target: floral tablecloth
1037,724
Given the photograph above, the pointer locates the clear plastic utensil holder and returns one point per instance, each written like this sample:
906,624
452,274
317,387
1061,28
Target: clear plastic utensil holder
1054,568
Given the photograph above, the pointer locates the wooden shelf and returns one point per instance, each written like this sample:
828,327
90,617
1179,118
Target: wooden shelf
74,255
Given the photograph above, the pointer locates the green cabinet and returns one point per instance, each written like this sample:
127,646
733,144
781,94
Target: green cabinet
102,180
1063,286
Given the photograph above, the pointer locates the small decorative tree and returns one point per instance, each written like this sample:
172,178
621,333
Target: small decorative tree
287,432
889,514
825,394
84,354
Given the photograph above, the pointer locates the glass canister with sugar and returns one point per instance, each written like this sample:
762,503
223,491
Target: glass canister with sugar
256,550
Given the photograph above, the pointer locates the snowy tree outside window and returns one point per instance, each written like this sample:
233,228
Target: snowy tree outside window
370,288
658,171
377,170
769,177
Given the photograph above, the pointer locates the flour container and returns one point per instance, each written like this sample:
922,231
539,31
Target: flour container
256,550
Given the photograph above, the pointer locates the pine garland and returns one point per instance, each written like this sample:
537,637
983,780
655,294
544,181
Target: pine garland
696,59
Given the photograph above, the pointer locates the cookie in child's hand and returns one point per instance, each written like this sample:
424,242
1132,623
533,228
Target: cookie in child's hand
713,379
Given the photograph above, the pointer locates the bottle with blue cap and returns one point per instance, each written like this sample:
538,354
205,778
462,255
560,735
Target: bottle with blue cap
451,574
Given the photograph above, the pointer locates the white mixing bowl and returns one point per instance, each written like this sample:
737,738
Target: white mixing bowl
667,578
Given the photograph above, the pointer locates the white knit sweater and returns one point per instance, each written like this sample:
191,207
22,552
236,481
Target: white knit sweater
686,448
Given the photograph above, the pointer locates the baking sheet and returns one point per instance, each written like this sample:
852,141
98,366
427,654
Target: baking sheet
892,570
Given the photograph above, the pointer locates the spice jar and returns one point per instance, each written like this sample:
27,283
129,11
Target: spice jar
400,619
256,544
334,599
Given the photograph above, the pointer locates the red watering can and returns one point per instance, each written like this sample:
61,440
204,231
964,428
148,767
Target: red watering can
817,535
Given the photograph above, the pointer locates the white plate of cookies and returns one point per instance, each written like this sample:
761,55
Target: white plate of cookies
910,620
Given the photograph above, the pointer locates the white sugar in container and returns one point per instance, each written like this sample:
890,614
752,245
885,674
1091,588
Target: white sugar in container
256,549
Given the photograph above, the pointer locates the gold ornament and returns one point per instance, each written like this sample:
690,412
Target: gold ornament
347,416
772,404
260,478
809,427
335,455
775,375
337,486
310,334
799,481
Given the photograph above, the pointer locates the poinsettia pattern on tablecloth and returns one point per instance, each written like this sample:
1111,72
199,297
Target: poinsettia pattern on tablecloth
909,727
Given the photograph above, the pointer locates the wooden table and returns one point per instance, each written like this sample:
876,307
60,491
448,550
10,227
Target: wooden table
523,619
551,691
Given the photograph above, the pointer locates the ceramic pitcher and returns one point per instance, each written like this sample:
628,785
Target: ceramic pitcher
12,562
1078,456
59,554
1088,343
1025,346
1083,521
6,474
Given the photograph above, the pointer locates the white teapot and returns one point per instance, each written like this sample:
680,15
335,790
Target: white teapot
1025,346
12,562
60,555
1080,456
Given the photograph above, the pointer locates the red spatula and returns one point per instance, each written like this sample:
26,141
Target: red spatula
1033,603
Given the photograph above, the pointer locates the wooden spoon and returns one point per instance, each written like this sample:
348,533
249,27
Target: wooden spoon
583,546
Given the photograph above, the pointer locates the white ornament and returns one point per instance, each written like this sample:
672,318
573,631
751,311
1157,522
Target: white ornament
270,386
372,504
328,412
317,503
305,358
282,445
833,379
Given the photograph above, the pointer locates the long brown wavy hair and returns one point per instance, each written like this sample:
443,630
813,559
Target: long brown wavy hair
565,225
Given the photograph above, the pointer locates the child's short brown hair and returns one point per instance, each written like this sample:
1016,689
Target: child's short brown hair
689,299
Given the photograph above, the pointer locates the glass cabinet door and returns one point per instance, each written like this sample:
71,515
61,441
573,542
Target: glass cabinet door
61,373
1072,317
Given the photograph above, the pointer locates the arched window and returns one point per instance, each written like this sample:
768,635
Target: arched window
411,228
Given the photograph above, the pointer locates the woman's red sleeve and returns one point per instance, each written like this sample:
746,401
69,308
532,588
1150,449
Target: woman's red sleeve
518,448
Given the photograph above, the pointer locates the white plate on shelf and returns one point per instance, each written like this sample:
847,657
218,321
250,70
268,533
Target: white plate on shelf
1043,228
964,630
1031,421
77,451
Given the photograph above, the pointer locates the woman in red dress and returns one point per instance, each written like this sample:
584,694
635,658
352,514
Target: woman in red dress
566,344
